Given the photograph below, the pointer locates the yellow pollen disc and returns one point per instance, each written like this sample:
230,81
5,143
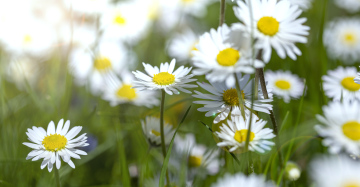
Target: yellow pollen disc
164,78
102,63
187,1
231,98
283,84
119,19
193,48
349,38
349,84
240,136
27,39
228,57
195,161
156,133
126,92
268,25
352,185
54,142
351,130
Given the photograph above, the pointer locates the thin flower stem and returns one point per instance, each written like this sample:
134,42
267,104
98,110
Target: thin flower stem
260,72
222,12
57,177
241,100
163,147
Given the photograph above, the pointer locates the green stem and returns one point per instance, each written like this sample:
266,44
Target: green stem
57,177
163,147
241,100
222,12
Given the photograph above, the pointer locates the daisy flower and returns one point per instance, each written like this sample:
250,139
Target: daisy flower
233,134
275,25
164,78
351,6
181,46
303,4
198,156
224,100
89,67
221,53
340,83
342,39
284,84
123,23
151,128
335,171
120,91
241,180
341,129
53,144
293,171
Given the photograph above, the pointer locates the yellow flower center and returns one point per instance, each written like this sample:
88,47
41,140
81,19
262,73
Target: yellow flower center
350,38
102,63
193,48
119,19
164,78
351,129
349,84
231,98
240,136
228,57
156,133
126,92
54,142
268,25
352,185
187,1
283,84
27,39
195,161
153,13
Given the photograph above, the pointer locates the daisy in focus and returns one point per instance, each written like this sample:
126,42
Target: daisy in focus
342,39
164,78
182,45
198,155
284,84
275,25
351,6
53,144
335,171
221,53
303,4
89,68
120,91
151,129
224,100
341,127
242,180
233,134
339,83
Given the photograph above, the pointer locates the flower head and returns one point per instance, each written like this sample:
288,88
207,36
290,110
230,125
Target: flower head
242,180
151,128
53,144
164,78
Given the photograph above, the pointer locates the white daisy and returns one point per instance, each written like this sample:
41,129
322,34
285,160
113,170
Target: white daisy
303,4
342,39
292,171
335,171
122,22
233,134
181,46
222,53
351,6
242,180
341,129
55,143
340,83
151,128
284,84
198,155
89,67
275,25
120,91
164,78
224,100
88,7
357,78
